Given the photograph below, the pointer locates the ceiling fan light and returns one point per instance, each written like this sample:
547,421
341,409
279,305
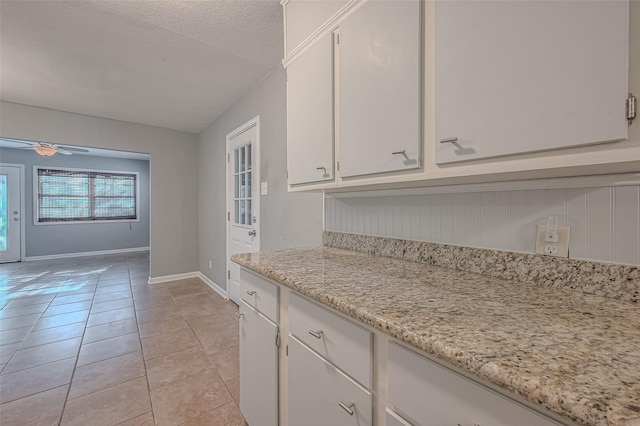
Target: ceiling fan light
45,151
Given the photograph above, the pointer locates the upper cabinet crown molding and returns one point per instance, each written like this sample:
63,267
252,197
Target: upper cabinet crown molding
304,25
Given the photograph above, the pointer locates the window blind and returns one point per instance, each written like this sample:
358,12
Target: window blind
71,195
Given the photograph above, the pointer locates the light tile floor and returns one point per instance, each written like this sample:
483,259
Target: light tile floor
86,341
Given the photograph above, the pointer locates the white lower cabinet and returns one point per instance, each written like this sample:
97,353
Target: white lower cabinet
426,393
332,371
258,368
321,395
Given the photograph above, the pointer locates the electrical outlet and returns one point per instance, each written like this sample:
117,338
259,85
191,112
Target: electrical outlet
209,264
559,248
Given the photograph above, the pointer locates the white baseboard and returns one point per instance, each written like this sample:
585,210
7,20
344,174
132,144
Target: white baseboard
176,277
213,285
83,254
186,275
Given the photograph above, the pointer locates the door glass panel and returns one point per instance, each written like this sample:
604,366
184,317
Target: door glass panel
242,191
4,218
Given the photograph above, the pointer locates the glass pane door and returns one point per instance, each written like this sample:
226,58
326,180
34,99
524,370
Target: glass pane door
243,214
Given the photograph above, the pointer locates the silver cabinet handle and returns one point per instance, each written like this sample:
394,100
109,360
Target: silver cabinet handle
347,407
403,152
251,293
252,233
316,334
449,140
239,315
324,169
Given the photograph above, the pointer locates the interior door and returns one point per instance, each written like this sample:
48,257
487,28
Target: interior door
10,204
243,200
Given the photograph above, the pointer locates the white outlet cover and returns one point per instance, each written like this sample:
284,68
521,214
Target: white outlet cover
559,249
263,188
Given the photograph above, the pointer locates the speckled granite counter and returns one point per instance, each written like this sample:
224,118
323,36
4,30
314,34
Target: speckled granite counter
574,353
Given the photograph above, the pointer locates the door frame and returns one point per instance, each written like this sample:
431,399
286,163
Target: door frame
23,244
254,122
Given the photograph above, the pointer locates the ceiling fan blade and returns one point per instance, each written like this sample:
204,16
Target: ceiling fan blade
67,148
23,142
63,151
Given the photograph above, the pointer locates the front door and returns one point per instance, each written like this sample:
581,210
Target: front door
243,199
10,216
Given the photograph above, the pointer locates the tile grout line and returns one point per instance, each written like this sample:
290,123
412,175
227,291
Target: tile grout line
144,361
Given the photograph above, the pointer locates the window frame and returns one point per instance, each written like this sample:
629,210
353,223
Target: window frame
36,198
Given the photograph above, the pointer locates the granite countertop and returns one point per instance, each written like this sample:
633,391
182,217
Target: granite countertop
574,353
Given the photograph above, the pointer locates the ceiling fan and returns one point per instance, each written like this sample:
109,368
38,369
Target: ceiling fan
47,149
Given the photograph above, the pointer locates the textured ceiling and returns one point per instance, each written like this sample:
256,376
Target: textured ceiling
175,64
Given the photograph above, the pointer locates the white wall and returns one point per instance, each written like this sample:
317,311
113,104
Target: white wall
604,221
174,178
288,219
81,237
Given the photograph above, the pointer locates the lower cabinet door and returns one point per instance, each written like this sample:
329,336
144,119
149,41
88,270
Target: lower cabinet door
258,368
321,395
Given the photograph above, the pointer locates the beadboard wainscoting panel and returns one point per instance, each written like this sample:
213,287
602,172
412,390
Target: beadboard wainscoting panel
626,249
604,221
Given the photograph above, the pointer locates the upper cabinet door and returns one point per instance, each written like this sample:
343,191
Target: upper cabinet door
379,88
304,17
523,76
310,114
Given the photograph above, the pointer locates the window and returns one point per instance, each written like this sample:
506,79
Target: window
85,195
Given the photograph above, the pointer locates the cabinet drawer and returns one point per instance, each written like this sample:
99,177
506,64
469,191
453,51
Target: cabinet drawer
338,340
427,393
317,389
259,294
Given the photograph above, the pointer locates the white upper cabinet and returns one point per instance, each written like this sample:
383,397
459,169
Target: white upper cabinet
305,17
310,114
379,88
524,76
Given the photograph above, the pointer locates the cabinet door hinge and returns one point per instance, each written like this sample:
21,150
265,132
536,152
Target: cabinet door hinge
338,166
338,38
632,103
287,350
228,158
228,215
228,275
278,339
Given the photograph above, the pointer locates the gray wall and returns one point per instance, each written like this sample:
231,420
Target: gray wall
288,219
52,239
173,174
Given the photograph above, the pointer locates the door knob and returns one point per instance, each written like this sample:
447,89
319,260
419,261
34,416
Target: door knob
252,233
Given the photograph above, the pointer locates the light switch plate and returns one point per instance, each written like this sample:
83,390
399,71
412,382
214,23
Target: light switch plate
263,188
559,249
